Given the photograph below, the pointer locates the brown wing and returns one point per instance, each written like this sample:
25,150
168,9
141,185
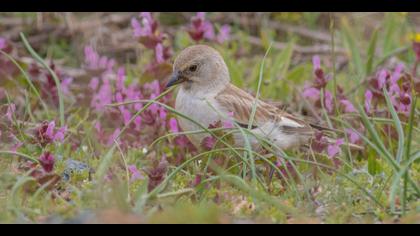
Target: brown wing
240,103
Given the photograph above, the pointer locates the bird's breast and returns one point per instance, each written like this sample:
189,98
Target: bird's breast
201,110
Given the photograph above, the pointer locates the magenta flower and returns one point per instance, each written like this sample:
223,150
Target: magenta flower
120,78
416,49
94,83
328,101
126,116
208,143
95,62
157,173
113,137
103,97
197,180
65,84
368,101
146,27
200,28
381,80
159,53
11,109
348,106
60,134
228,124
353,136
173,124
316,62
137,122
311,93
146,30
17,143
397,73
224,34
16,146
46,133
50,130
135,173
2,43
319,142
334,149
47,162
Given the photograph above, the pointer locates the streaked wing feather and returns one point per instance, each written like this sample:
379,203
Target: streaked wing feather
240,103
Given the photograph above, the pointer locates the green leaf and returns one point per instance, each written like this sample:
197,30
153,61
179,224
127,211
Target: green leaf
105,163
390,27
350,42
398,126
371,52
373,165
56,80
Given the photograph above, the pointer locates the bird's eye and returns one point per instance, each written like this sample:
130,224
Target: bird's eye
192,68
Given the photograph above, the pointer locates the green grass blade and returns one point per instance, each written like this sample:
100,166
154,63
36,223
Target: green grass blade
56,80
371,52
398,126
28,80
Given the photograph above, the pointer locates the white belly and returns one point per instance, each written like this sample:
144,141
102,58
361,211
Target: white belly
198,109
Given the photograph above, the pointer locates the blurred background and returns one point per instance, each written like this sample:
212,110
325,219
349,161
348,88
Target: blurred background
67,137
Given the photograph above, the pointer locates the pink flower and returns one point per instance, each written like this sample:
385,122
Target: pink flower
94,61
348,106
113,137
146,26
208,143
47,134
159,53
65,85
381,78
319,142
201,28
328,98
224,34
173,124
197,180
316,62
11,109
103,97
91,57
311,93
146,31
2,43
16,146
50,130
353,136
368,101
17,143
137,122
47,162
135,173
334,149
416,49
94,83
60,134
228,124
120,78
126,116
397,73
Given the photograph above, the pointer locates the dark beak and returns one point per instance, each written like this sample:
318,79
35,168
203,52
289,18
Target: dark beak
176,79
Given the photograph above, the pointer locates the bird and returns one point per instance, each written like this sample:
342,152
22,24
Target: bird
206,95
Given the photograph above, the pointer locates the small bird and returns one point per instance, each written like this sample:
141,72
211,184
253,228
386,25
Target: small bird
206,95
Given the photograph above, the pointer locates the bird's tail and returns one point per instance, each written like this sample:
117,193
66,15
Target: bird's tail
331,140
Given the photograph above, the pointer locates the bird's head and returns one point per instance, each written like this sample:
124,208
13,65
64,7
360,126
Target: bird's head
199,68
